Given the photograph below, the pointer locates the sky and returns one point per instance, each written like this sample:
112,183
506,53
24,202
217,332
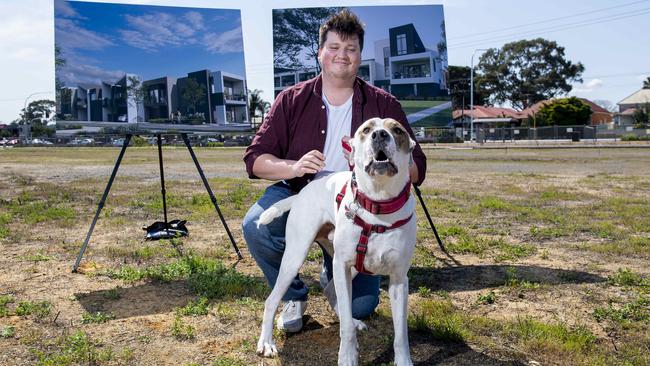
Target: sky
608,37
102,42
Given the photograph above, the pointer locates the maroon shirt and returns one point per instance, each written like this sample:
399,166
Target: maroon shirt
297,124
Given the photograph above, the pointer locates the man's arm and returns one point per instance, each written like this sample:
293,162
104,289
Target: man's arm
268,166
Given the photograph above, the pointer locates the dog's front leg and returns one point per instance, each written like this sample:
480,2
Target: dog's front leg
348,348
398,291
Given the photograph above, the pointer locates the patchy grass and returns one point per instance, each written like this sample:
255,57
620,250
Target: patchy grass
7,331
77,349
39,309
96,318
182,331
4,301
206,277
197,307
637,310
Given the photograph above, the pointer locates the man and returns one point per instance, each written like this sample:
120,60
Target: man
301,139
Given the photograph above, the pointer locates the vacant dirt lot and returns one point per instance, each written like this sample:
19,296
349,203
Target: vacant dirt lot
546,262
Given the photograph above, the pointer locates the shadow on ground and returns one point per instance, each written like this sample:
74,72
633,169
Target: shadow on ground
477,277
143,299
318,345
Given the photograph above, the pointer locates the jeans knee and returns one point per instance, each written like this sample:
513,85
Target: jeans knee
364,306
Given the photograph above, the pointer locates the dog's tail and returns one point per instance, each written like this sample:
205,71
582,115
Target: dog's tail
275,211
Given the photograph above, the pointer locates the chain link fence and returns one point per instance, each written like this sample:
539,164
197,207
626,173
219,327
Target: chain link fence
513,134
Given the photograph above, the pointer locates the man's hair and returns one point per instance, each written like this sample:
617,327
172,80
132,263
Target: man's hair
345,23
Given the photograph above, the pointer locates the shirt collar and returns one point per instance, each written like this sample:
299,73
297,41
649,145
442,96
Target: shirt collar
357,97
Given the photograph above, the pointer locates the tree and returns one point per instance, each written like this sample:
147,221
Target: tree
193,94
646,83
642,114
527,71
59,62
37,115
136,92
295,34
459,77
442,45
564,111
256,103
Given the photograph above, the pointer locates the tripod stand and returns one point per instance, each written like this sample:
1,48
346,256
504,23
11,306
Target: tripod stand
186,140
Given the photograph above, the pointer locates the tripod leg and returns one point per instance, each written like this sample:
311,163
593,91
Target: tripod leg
101,202
162,179
212,198
426,212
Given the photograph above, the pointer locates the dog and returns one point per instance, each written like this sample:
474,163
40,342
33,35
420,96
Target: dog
375,232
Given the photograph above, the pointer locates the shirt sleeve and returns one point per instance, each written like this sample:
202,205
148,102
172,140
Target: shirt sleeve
395,112
272,136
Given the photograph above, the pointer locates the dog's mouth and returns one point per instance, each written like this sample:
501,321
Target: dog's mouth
381,164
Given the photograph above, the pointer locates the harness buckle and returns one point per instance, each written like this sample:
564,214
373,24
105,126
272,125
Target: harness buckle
352,209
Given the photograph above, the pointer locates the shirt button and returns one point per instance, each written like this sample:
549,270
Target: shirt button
322,107
322,132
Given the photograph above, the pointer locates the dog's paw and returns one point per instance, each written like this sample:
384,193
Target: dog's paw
359,325
266,348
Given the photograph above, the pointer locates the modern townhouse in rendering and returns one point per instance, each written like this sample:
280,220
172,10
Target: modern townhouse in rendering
401,65
200,97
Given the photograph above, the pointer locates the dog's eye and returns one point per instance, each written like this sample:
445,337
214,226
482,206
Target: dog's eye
366,130
398,131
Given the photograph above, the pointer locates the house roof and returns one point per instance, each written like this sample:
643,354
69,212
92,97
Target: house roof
487,112
638,97
534,109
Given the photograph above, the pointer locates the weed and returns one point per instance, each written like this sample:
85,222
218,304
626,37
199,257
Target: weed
113,294
7,331
96,318
510,252
424,291
195,308
5,219
4,300
440,319
493,203
182,331
38,257
636,311
544,254
627,277
75,349
489,298
39,309
228,361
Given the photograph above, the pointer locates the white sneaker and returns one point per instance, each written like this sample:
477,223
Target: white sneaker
291,317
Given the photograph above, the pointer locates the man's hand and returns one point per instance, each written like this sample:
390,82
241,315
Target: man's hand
310,163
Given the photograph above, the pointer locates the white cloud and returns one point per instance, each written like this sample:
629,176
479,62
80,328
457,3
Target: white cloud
195,18
72,36
75,74
589,87
152,32
229,41
63,9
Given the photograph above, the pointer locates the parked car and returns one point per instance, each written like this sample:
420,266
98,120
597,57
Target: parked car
82,141
41,142
118,142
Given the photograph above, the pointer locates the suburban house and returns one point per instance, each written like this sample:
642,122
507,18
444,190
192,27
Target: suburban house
211,97
506,117
402,66
599,115
629,105
487,117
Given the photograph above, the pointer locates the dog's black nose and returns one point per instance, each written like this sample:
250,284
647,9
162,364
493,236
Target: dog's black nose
380,135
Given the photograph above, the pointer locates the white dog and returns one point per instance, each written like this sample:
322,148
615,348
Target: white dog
373,213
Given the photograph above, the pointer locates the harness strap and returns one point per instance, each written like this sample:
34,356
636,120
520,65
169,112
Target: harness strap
367,229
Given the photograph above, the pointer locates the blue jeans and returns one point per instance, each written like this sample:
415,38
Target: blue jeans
266,245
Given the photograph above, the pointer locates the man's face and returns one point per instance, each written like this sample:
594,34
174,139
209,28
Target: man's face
340,59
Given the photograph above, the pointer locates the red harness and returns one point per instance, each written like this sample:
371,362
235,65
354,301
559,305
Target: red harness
374,207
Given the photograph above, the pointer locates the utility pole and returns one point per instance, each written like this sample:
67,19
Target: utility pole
471,94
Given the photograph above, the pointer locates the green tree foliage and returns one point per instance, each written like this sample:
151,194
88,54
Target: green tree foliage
38,114
193,94
642,114
527,71
459,87
564,112
442,45
136,92
646,83
295,31
257,104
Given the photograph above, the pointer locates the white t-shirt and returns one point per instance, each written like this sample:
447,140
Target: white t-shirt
339,124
